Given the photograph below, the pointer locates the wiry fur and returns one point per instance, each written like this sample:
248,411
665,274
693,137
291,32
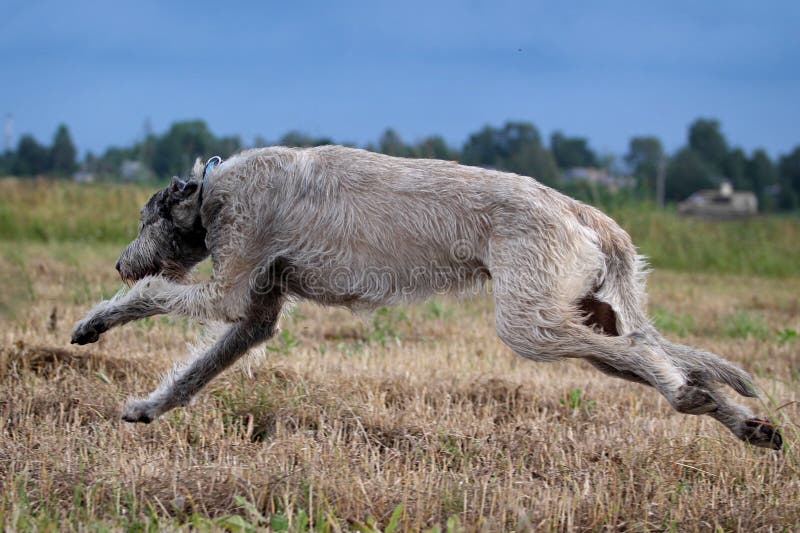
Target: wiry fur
343,226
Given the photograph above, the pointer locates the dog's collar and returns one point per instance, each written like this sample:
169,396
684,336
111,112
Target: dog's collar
211,163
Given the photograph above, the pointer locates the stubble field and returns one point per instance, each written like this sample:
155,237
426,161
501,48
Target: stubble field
409,419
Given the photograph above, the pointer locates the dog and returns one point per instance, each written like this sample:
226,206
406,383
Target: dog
346,227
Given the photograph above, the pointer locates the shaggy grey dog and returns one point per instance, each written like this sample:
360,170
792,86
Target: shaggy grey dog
342,226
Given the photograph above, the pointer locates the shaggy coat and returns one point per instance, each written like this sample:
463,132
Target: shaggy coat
343,226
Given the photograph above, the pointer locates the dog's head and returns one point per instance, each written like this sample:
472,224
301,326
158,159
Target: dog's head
171,237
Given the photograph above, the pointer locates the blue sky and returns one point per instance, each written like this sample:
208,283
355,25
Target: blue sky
604,70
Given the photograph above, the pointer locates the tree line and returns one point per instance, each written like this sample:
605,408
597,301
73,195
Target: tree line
703,162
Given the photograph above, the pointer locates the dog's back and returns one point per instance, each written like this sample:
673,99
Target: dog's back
355,212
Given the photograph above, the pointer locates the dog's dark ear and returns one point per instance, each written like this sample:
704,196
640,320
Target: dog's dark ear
180,190
182,204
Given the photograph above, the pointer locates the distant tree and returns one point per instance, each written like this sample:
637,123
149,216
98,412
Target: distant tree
6,162
295,138
707,141
571,151
789,173
516,136
490,147
535,161
299,139
31,158
735,169
390,143
763,176
606,160
227,146
516,147
108,165
434,147
688,172
62,153
90,161
643,157
144,150
484,148
177,149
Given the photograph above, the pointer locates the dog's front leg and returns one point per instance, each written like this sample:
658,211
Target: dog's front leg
182,384
153,295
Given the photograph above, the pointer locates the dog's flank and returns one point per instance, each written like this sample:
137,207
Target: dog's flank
343,226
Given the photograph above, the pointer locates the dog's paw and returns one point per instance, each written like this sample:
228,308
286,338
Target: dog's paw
760,432
141,410
88,330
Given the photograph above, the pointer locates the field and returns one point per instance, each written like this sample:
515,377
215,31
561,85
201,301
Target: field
412,418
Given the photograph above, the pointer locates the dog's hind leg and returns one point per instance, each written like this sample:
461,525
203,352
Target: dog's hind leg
707,370
537,317
742,423
704,372
705,367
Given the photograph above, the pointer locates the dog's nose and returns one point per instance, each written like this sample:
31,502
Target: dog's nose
117,266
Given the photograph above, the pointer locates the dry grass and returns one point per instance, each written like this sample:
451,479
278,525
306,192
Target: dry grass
346,419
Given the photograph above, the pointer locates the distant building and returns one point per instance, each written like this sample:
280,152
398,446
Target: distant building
83,176
599,176
720,203
131,170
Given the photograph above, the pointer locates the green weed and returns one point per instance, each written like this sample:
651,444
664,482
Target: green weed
386,323
786,335
434,309
371,525
678,323
574,400
283,343
743,325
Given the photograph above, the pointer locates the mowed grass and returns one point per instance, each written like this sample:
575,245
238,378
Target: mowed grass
411,418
